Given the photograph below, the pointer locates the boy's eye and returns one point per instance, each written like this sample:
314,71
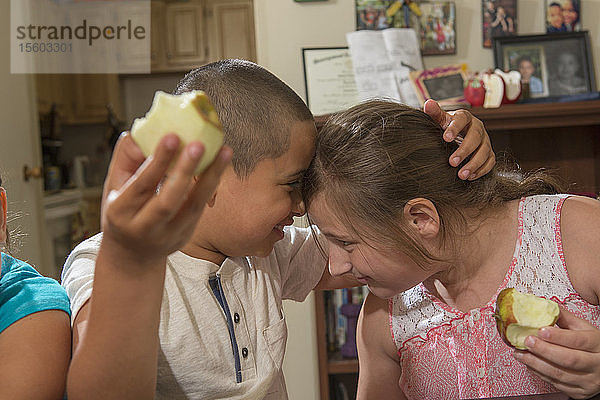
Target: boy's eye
296,185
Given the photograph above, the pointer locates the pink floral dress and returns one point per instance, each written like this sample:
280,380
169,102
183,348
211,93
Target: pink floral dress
449,354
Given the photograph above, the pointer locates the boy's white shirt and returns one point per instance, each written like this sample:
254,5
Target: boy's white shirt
196,359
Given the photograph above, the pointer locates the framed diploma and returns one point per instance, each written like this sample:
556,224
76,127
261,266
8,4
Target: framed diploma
329,79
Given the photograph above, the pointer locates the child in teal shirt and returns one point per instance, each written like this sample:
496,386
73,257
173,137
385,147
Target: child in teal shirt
35,334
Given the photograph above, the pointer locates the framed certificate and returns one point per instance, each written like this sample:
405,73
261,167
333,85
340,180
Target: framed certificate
329,79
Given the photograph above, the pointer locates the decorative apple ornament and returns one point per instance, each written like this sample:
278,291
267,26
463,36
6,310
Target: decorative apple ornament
519,315
474,91
190,115
494,89
512,85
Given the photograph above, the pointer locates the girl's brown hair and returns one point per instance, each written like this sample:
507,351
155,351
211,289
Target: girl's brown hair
373,158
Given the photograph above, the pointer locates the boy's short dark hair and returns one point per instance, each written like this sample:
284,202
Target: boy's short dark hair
255,107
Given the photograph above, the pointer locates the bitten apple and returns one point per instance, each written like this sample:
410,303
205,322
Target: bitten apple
190,115
519,315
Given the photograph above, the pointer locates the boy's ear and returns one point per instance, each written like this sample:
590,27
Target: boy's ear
422,216
211,201
3,213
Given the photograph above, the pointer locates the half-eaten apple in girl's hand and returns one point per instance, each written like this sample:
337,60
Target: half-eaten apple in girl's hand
190,115
519,315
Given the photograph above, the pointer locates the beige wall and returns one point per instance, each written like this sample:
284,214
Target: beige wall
283,27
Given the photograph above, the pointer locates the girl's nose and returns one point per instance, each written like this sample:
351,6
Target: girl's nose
338,263
339,268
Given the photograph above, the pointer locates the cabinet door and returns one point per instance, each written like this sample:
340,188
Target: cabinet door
232,29
91,95
186,34
50,89
157,39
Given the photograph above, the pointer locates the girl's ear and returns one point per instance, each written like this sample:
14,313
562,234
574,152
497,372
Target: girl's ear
422,216
3,205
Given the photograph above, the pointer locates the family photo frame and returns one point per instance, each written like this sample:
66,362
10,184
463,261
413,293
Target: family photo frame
434,21
562,15
498,18
554,65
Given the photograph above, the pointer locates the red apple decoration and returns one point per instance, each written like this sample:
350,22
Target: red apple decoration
512,85
474,91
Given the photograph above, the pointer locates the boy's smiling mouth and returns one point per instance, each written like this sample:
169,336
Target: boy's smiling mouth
279,227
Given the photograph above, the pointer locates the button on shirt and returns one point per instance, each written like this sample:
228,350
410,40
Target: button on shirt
196,360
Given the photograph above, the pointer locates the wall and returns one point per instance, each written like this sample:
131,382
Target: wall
20,146
283,27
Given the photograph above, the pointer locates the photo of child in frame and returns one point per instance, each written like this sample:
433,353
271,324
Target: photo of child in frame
563,15
566,71
530,61
499,18
372,14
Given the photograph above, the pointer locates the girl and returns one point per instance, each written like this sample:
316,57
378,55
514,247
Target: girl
440,249
35,334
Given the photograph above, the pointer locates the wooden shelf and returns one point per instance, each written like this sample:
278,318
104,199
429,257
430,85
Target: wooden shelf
522,116
540,115
336,364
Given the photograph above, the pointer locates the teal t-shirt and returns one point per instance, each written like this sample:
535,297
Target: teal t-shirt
24,291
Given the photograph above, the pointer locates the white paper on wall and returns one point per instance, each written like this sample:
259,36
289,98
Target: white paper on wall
382,61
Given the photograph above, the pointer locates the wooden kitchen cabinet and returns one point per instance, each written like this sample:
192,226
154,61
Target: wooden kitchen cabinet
79,98
91,94
51,90
185,34
231,29
188,35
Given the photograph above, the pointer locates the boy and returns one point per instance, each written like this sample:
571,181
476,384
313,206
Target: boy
206,322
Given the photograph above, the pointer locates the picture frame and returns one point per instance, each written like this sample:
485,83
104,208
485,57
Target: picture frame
443,84
328,79
498,18
437,27
433,20
562,15
563,62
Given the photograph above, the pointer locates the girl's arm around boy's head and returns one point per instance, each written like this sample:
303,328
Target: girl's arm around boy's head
568,355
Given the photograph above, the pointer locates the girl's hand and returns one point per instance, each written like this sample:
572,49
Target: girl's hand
142,224
567,356
475,140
